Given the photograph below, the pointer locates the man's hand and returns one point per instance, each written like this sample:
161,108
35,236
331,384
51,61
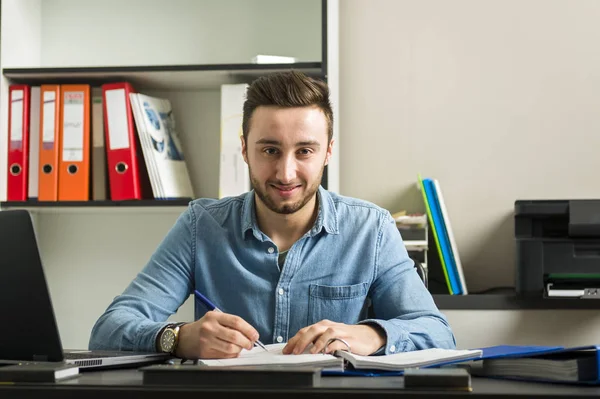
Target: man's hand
363,339
216,335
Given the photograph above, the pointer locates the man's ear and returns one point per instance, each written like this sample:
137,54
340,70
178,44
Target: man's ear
244,149
329,151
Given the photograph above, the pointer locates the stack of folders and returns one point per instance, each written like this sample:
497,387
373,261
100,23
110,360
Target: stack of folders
576,365
75,142
443,235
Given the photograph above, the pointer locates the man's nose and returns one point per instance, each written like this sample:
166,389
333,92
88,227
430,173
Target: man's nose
286,169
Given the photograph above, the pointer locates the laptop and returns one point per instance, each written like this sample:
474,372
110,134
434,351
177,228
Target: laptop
28,328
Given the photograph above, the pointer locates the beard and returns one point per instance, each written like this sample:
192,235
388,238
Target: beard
284,208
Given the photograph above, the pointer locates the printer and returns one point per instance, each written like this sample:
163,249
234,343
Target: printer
557,248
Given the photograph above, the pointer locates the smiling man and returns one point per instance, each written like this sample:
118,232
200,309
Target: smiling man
288,262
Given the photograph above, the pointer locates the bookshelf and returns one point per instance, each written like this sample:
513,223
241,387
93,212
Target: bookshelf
183,50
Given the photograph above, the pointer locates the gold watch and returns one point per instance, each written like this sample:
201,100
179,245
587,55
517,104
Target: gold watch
169,338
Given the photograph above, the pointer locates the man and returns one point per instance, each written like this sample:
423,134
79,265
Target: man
287,262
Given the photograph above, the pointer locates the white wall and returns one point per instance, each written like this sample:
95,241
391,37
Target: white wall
497,99
155,32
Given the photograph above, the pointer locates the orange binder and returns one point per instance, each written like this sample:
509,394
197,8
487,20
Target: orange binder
49,142
74,157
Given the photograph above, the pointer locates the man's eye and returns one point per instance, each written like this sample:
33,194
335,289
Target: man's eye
270,151
305,151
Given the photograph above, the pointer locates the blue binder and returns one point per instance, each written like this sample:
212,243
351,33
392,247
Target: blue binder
523,352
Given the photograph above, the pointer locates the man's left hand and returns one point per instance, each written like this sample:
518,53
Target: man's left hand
363,339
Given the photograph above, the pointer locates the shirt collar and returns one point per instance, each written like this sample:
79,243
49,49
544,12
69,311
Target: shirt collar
327,217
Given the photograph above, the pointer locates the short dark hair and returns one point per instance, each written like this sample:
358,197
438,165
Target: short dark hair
287,89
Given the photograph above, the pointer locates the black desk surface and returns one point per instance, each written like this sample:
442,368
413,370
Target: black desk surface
114,384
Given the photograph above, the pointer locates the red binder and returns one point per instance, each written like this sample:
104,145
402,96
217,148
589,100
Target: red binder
18,142
127,175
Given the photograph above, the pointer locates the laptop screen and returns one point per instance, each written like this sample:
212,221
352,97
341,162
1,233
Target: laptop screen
29,330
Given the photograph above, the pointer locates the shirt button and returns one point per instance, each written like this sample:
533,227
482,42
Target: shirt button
281,291
271,250
393,348
280,339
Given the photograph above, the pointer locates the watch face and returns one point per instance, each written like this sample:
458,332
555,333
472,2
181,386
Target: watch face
167,340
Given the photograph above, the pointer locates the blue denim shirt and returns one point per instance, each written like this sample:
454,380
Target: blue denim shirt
352,257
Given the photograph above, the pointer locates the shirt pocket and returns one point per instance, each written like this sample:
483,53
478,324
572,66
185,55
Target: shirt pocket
342,304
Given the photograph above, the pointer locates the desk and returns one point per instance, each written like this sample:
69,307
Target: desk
115,384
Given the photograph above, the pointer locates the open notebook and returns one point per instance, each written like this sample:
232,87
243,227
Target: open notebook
339,359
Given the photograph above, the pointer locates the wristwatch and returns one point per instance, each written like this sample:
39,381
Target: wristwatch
168,338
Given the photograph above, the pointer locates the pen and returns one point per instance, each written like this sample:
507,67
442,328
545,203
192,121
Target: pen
211,306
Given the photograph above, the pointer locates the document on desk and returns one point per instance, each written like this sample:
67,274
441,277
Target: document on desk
337,360
275,357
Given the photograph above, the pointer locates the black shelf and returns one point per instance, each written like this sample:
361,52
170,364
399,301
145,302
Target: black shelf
90,204
172,77
510,302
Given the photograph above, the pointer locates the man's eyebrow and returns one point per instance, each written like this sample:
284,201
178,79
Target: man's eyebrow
268,141
308,143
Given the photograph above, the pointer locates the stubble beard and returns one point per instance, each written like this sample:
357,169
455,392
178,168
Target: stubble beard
286,208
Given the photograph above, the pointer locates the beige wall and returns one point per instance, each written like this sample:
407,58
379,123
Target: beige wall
499,100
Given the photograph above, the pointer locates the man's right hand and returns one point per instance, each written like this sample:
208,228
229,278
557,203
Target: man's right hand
216,335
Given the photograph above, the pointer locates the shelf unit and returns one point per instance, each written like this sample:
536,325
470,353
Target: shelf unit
183,50
510,302
192,83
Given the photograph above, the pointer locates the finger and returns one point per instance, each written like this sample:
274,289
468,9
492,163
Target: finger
231,336
237,323
216,354
228,347
307,337
321,341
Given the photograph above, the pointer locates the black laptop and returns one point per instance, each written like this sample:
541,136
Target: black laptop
29,330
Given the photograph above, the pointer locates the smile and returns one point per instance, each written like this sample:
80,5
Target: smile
286,191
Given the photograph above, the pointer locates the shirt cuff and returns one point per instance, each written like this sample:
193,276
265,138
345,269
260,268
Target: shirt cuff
396,338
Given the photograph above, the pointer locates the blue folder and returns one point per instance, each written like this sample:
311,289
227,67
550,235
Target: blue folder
518,351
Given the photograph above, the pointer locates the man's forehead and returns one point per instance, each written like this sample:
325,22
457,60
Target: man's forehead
301,124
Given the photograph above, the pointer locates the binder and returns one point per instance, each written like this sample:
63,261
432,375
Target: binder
18,142
99,175
449,234
430,208
49,143
34,142
126,174
578,365
74,157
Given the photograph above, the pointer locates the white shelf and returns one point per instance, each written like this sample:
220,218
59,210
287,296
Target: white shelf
158,77
128,207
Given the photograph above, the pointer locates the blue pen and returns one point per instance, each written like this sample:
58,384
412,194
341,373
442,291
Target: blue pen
211,306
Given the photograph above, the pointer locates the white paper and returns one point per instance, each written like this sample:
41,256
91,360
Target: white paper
234,178
16,105
403,360
274,356
49,119
73,118
116,115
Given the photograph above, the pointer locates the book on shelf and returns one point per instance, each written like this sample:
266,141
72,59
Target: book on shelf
234,175
37,372
443,235
161,147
